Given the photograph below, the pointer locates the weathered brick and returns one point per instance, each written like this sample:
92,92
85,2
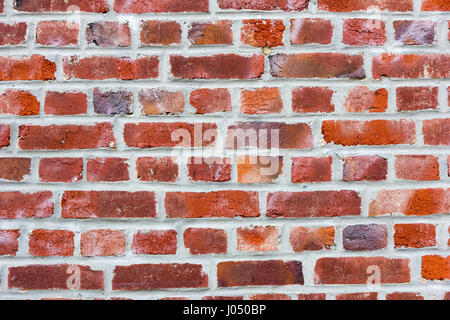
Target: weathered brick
365,5
47,243
4,135
220,66
19,102
156,6
57,33
161,102
375,132
262,169
261,101
317,65
306,31
65,103
162,33
414,235
259,273
362,99
435,5
107,169
269,296
262,33
54,277
106,34
108,204
17,205
364,32
102,68
157,169
13,34
269,5
226,204
311,239
98,6
211,100
14,169
102,243
64,137
436,132
358,296
66,170
312,100
417,98
311,169
419,202
159,276
112,102
155,242
211,33
435,267
36,67
404,296
258,239
417,32
416,167
8,242
365,237
365,168
313,204
211,169
205,240
312,296
353,270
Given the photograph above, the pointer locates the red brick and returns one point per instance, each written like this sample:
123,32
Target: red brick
66,170
365,237
17,205
106,34
8,242
13,34
225,204
65,137
261,101
112,102
417,32
48,243
223,298
269,296
365,168
310,169
36,67
211,33
313,204
19,102
419,202
435,267
157,169
161,102
98,6
411,66
14,169
65,103
53,277
108,204
414,235
435,5
162,33
268,135
155,242
159,276
156,6
312,296
259,273
103,243
362,99
353,270
57,33
219,66
262,33
2,6
306,31
417,98
364,32
173,134
317,65
102,68
261,169
358,296
436,132
211,100
258,239
205,240
365,5
311,239
418,168
107,169
375,132
404,296
4,135
209,169
312,100
268,5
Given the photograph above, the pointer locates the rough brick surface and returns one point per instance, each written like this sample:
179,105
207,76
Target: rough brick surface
224,149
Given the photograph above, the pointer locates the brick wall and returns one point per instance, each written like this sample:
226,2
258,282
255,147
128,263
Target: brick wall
202,149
